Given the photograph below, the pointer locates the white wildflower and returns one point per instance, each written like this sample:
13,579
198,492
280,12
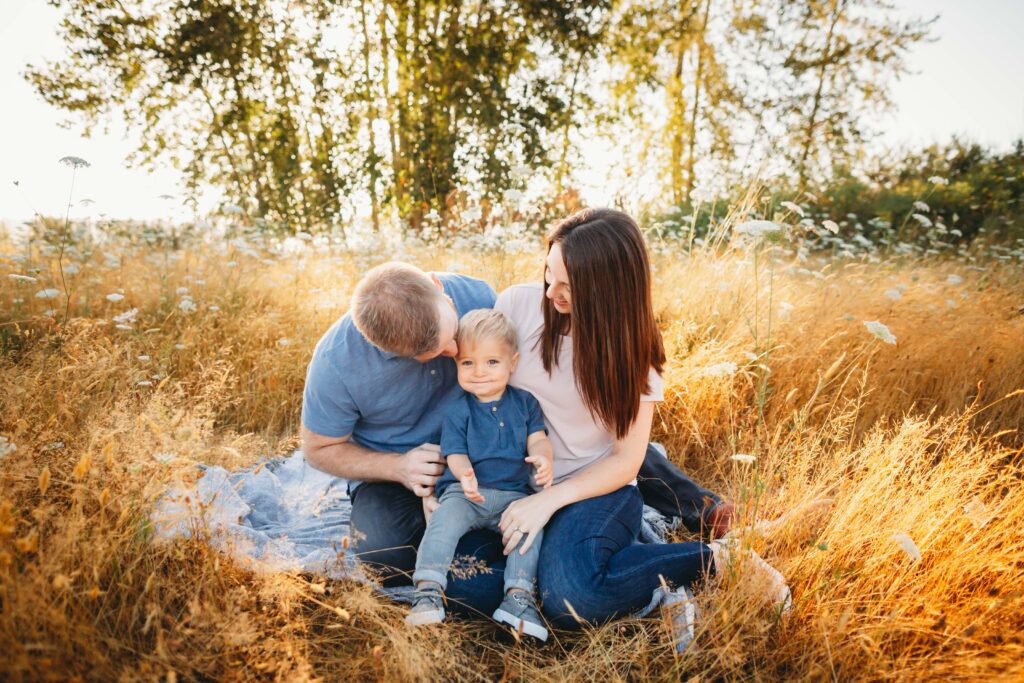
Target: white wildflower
22,278
521,171
795,208
284,341
702,194
513,196
47,294
951,303
831,226
922,219
975,511
143,358
143,383
921,206
472,214
187,305
122,326
50,312
233,209
938,180
907,545
726,369
880,331
181,290
744,458
231,264
756,228
114,298
954,279
127,316
53,446
74,162
6,446
893,294
179,347
215,308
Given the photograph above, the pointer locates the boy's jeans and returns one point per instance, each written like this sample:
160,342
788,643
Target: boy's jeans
457,516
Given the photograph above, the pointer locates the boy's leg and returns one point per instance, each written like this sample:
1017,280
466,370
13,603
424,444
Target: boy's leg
479,592
451,520
521,569
665,488
387,524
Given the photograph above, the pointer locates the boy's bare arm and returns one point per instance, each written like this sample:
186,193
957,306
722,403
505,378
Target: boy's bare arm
462,468
541,456
459,464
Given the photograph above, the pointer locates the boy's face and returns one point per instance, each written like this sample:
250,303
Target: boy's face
485,367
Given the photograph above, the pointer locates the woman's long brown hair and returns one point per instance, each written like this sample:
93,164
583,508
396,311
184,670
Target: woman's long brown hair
615,339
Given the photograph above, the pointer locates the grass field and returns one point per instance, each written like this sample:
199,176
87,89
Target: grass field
165,358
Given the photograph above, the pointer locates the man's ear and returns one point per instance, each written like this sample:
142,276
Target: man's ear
515,360
437,282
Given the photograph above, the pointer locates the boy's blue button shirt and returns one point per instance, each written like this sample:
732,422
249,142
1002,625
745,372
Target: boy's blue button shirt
386,402
494,436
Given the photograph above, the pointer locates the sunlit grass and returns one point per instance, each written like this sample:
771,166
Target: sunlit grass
770,357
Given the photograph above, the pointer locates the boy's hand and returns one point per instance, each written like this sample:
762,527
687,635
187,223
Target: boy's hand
470,486
430,503
545,471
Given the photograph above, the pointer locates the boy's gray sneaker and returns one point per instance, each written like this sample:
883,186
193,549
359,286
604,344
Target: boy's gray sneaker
519,611
427,606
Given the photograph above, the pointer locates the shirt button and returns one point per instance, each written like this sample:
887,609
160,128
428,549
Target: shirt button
433,372
501,424
494,409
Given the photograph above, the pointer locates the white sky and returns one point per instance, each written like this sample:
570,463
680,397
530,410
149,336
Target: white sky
968,82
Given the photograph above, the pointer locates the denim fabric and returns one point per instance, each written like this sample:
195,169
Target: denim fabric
665,488
600,558
593,568
456,516
387,527
493,435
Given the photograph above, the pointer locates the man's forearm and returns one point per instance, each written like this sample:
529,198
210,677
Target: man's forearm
352,461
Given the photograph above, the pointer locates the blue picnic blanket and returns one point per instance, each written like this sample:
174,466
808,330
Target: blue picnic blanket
284,515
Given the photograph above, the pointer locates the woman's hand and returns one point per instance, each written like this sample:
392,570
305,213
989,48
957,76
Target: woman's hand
525,517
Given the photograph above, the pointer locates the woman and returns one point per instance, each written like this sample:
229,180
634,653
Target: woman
592,355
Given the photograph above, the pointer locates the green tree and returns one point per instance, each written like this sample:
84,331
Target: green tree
299,111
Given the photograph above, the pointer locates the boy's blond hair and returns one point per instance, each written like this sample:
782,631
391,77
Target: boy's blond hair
395,306
486,323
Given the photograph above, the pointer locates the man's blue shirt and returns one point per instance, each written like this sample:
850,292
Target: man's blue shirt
386,402
493,435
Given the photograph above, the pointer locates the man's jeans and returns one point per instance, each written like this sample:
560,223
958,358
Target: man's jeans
388,524
456,517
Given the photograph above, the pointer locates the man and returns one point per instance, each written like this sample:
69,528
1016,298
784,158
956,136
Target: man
372,411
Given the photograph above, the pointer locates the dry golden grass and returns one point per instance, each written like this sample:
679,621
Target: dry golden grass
900,438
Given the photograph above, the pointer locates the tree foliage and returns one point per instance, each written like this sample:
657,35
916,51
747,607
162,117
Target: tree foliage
304,113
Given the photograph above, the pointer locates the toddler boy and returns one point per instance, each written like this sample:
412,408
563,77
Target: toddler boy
491,437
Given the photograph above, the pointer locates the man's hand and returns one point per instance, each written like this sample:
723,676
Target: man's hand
470,486
420,468
430,503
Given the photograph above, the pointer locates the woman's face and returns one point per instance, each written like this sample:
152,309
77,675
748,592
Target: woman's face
557,278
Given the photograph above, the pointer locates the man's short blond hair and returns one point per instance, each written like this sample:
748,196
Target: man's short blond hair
395,306
486,323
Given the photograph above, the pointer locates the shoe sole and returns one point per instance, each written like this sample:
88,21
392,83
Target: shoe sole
534,630
425,618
